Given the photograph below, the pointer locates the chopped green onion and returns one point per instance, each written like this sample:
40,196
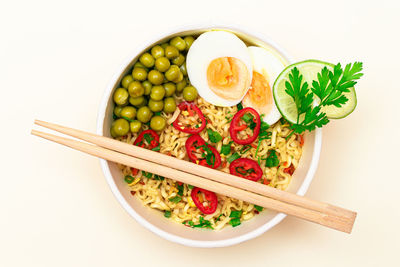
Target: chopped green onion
239,106
167,214
190,186
147,174
148,138
233,157
175,199
158,177
226,149
247,117
129,179
126,118
157,148
180,189
158,113
245,149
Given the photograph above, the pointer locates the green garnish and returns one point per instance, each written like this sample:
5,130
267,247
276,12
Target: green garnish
159,177
226,149
148,138
236,214
190,186
258,208
208,155
202,223
329,89
244,149
214,136
180,189
157,148
235,222
219,217
147,174
233,157
175,199
129,179
167,213
272,159
158,113
247,117
239,106
126,118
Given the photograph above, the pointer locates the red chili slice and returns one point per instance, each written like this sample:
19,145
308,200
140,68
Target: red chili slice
192,109
209,155
252,121
211,198
289,170
147,139
246,168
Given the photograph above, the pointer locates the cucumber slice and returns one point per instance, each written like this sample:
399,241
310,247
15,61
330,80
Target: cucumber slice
309,69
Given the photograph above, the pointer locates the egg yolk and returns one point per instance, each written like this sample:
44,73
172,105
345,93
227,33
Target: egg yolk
228,77
259,94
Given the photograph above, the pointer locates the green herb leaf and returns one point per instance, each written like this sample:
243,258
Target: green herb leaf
157,148
258,208
175,199
202,223
148,138
239,106
158,113
167,214
180,189
233,157
226,149
190,186
236,214
272,159
214,136
235,222
159,177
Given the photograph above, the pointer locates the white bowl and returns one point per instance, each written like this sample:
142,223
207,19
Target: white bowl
154,220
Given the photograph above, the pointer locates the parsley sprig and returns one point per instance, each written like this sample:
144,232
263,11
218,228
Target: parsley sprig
329,88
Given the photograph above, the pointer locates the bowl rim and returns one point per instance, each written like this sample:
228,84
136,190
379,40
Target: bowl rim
142,221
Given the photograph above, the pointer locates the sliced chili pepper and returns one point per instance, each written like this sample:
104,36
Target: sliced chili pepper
192,109
246,168
134,171
301,139
209,155
211,198
289,170
147,139
253,122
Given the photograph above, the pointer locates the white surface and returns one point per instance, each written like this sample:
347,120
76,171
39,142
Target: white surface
55,61
154,221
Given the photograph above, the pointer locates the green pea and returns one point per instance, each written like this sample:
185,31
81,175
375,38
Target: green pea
157,51
189,93
147,60
117,111
171,52
164,45
179,60
147,87
169,105
189,41
128,112
113,134
140,65
162,64
136,89
155,77
120,127
121,96
179,43
144,114
139,74
172,73
183,69
137,101
126,81
156,106
180,77
135,126
180,85
157,123
157,92
170,89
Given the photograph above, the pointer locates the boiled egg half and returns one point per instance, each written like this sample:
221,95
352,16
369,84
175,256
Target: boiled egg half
219,65
266,67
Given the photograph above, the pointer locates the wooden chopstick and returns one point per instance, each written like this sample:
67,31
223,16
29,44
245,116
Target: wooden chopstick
339,223
203,171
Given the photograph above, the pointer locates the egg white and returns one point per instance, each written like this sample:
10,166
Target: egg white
270,66
207,47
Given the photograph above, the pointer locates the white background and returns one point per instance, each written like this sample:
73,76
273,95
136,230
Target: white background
55,61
